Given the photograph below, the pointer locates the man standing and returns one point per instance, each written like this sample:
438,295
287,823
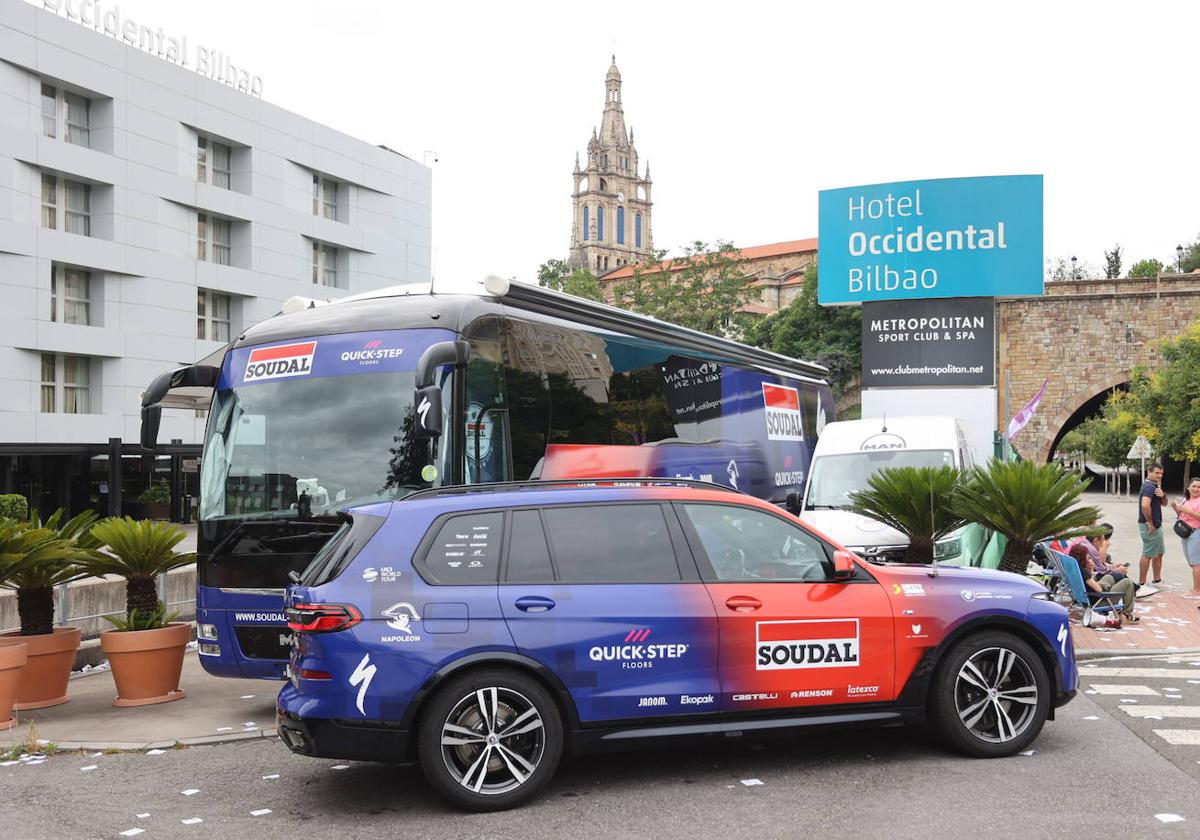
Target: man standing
1150,526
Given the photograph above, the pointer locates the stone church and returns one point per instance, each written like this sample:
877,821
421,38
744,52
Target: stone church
611,199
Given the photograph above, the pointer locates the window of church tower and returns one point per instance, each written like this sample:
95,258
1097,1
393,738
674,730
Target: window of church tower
637,230
641,193
600,224
603,185
620,225
585,223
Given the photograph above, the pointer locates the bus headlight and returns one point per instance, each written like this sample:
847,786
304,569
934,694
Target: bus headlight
948,549
207,632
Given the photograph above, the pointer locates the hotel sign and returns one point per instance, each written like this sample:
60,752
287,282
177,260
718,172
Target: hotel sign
210,63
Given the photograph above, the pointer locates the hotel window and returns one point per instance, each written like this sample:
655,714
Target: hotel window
213,322
75,112
76,200
325,197
66,384
214,163
213,239
70,296
324,265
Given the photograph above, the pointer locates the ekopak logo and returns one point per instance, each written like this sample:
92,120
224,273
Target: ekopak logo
278,362
782,405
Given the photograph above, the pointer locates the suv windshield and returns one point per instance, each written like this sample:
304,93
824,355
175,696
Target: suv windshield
301,447
835,477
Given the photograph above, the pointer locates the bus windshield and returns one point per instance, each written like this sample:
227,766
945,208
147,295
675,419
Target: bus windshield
835,477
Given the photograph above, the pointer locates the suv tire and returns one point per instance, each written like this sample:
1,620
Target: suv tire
990,695
490,739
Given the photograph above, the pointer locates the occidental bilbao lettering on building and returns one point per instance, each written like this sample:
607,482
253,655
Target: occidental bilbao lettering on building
956,237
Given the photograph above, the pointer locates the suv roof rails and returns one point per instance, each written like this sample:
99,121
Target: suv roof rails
541,484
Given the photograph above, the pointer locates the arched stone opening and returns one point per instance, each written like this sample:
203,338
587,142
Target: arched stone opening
1086,403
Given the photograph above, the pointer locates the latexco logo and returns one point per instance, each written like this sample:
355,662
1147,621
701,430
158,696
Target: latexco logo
635,653
816,643
280,362
782,404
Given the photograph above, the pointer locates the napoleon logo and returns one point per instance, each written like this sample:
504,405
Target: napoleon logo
400,618
782,404
816,643
279,362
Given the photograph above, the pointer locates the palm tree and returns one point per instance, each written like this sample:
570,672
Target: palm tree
1027,503
916,502
138,551
36,557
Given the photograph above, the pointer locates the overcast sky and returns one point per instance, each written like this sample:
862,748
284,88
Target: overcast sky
745,110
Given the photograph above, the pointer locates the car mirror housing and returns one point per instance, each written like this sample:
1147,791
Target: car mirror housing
843,564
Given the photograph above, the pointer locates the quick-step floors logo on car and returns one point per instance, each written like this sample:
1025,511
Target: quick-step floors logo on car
280,362
814,643
782,405
400,617
635,653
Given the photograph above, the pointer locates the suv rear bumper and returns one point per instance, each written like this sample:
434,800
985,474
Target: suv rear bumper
324,738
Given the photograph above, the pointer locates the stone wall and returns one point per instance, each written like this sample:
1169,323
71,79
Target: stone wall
1085,336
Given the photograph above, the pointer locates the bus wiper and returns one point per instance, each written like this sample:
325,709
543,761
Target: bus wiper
822,507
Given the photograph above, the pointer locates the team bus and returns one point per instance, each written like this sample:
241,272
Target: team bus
376,396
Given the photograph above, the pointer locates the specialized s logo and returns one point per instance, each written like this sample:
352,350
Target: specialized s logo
286,360
1063,635
817,643
362,676
782,404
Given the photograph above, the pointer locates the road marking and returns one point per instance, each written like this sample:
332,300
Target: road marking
1124,689
1179,737
1164,711
1142,673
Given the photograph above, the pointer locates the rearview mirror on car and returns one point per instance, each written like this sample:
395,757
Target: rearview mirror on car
843,564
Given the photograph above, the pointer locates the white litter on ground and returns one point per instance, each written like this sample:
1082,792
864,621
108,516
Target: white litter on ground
142,816
224,728
192,821
340,767
1090,717
247,696
272,776
190,791
9,763
751,782
89,767
260,812
132,832
1168,818
95,755
249,723
155,752
1028,752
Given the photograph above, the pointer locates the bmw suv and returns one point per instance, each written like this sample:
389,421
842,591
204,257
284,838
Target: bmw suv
484,630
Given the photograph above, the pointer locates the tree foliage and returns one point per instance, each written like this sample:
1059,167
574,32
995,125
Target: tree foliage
1191,258
828,335
1167,401
1146,268
1112,263
704,289
558,275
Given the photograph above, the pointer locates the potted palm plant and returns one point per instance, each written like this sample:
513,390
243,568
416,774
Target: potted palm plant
47,555
1027,503
146,647
916,502
13,653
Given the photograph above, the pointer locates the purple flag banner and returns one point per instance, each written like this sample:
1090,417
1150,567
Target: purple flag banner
1023,416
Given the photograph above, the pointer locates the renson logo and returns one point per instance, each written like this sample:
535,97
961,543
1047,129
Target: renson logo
782,404
280,362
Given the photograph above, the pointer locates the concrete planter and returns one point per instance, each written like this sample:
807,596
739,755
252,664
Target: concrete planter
146,664
12,661
48,668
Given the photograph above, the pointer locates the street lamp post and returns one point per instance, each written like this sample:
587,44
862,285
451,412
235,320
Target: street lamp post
1179,259
1074,272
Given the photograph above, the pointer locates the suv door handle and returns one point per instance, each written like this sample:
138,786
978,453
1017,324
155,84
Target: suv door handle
534,603
742,603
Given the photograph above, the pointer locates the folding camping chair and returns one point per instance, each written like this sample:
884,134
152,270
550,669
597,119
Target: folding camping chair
1071,575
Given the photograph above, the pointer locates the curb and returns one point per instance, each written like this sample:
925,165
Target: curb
201,741
1101,653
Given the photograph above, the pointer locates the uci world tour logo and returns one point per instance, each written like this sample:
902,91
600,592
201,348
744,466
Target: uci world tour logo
782,404
280,362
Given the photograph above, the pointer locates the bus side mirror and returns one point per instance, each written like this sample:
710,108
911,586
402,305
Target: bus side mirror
427,406
843,564
794,504
151,417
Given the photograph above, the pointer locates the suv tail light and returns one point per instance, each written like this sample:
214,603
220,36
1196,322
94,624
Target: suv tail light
322,618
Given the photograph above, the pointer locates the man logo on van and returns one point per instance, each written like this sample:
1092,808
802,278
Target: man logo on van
883,441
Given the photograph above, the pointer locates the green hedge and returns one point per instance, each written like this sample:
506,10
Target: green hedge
13,506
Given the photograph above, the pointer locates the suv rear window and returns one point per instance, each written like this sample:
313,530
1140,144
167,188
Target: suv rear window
466,549
611,544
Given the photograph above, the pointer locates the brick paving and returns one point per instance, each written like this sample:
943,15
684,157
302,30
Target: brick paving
1169,622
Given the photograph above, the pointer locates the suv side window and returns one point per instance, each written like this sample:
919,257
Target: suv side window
528,554
466,549
611,544
744,544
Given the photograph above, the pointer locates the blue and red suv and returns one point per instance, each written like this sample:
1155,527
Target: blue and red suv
483,630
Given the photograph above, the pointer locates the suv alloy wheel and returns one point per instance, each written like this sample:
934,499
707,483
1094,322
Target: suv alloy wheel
490,740
991,695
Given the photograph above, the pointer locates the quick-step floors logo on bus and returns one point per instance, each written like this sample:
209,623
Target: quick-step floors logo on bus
279,362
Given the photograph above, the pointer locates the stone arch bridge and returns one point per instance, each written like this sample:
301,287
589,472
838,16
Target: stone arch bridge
1086,336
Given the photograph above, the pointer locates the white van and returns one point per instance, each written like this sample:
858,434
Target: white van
848,453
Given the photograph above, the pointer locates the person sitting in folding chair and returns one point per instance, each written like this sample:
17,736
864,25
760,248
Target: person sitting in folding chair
1125,587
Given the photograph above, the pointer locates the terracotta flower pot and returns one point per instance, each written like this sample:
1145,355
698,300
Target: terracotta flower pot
146,664
48,669
12,660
